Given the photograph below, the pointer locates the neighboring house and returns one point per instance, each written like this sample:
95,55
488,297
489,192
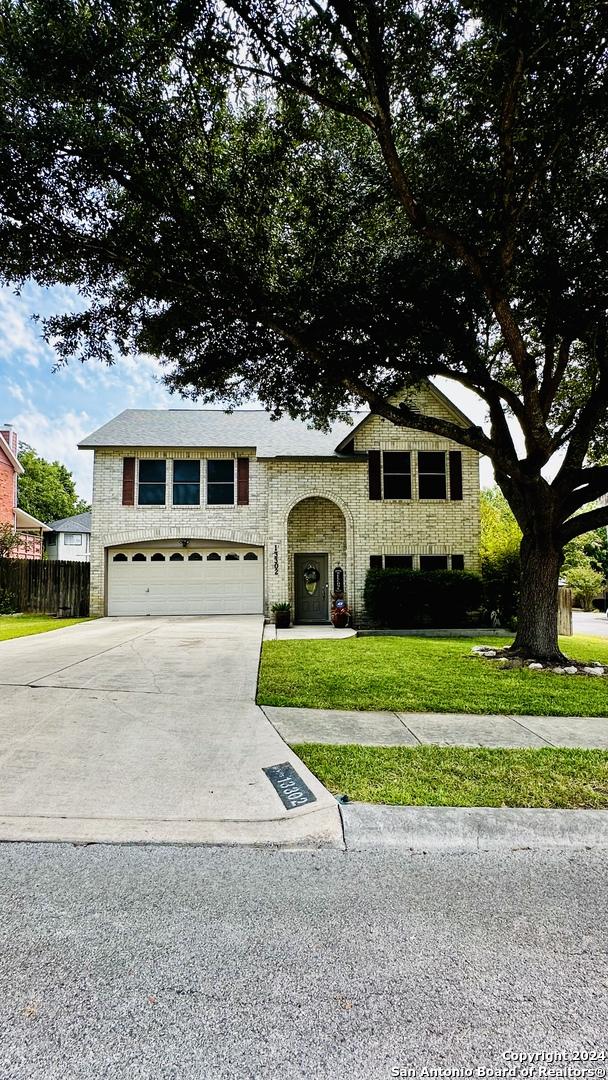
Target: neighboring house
205,512
29,528
70,538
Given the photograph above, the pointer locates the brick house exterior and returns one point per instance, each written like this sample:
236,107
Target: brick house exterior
29,528
366,493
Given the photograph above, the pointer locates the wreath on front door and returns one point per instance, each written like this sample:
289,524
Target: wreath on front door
311,578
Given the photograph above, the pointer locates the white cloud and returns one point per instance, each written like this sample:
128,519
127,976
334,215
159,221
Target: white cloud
56,438
19,336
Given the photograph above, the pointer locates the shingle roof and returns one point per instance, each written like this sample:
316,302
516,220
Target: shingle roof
214,428
79,523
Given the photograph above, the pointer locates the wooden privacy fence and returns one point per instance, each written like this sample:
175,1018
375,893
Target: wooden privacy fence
564,614
47,588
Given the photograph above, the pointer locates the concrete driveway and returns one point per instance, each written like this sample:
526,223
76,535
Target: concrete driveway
146,729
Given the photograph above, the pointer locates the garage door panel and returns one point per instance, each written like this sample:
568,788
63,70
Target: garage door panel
195,587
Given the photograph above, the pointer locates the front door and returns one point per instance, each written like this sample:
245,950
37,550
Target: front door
312,589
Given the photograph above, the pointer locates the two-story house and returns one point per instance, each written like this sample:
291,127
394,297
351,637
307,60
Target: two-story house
203,512
30,530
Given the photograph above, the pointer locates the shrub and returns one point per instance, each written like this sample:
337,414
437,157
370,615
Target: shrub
8,602
411,598
501,576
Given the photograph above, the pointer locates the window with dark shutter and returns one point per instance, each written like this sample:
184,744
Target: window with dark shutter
375,562
242,481
151,486
375,478
431,475
457,562
128,481
220,482
396,475
455,475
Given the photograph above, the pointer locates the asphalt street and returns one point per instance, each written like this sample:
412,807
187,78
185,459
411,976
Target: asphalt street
157,962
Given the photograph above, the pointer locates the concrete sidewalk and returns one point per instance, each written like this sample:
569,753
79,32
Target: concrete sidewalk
436,729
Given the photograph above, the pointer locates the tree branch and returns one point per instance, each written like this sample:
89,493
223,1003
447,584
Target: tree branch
583,523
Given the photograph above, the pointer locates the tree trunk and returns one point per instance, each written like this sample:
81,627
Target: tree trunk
536,636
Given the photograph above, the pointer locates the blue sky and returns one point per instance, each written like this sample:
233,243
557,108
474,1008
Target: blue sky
52,411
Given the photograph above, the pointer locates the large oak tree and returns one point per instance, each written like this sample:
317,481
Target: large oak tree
319,202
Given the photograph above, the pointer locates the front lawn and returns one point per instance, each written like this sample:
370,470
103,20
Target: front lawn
14,626
416,674
454,776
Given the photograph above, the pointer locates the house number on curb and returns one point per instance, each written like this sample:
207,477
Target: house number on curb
290,788
275,560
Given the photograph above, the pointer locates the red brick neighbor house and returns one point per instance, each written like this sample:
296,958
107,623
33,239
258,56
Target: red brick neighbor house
29,528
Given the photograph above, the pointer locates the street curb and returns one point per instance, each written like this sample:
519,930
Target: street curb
462,829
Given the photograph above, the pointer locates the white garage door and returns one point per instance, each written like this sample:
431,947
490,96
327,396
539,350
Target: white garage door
167,582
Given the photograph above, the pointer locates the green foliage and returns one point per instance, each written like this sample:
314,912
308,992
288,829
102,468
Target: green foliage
46,488
9,540
424,674
586,585
458,776
591,550
8,602
282,606
499,552
410,598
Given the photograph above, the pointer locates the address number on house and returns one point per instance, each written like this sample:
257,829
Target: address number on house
290,787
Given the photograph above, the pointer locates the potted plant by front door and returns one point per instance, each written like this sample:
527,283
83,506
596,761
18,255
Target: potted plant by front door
282,615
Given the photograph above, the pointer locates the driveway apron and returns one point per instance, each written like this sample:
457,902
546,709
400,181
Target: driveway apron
146,730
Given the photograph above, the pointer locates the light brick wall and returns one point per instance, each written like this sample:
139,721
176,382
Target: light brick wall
338,516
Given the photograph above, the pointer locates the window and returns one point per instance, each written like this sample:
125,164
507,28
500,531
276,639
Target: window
51,540
72,539
158,557
250,557
433,562
176,557
391,562
431,475
396,475
195,557
186,483
120,557
232,557
214,557
152,483
398,562
139,557
457,562
220,483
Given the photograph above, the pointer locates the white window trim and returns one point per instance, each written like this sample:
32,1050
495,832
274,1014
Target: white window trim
168,481
220,506
201,486
72,539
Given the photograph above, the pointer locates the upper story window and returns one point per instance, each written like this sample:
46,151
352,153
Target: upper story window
396,475
152,482
431,475
186,483
220,482
73,539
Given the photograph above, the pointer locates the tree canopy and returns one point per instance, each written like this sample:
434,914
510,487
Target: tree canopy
317,203
46,488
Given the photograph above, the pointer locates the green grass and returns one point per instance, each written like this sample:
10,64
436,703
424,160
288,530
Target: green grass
14,626
416,674
454,776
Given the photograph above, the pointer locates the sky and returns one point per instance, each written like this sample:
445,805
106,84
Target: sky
53,410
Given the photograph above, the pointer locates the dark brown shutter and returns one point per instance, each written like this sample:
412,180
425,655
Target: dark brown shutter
375,562
455,475
375,479
128,481
242,481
